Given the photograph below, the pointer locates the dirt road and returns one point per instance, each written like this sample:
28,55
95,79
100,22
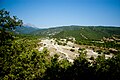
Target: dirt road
64,51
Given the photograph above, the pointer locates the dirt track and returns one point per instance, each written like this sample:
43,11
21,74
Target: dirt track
64,51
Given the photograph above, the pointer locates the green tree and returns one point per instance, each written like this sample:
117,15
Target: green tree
7,24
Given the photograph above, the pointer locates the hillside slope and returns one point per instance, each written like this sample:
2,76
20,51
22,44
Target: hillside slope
93,33
79,32
25,29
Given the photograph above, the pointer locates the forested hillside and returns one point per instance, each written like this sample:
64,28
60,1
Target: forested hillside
91,33
25,29
79,32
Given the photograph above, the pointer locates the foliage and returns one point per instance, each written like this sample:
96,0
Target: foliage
72,50
82,69
7,24
22,61
104,44
88,33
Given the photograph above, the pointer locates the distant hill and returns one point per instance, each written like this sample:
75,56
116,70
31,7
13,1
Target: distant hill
25,29
93,33
54,30
79,32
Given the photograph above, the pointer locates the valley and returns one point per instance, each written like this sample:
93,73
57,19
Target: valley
70,51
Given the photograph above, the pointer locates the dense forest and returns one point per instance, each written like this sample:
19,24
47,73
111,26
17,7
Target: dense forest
20,59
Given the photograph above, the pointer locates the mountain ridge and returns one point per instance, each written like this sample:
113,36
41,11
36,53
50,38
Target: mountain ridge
78,32
90,32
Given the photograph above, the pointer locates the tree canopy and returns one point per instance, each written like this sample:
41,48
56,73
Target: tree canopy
7,24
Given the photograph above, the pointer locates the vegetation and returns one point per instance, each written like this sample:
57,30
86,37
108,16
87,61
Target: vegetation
83,70
20,60
25,29
112,44
72,50
88,33
7,24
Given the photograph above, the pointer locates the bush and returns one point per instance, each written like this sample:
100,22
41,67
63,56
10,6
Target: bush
91,58
72,50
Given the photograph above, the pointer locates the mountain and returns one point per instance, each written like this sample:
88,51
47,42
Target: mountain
79,32
93,33
25,29
54,30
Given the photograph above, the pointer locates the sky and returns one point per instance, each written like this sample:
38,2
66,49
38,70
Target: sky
54,13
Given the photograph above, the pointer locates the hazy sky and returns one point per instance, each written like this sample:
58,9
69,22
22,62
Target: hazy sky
51,13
